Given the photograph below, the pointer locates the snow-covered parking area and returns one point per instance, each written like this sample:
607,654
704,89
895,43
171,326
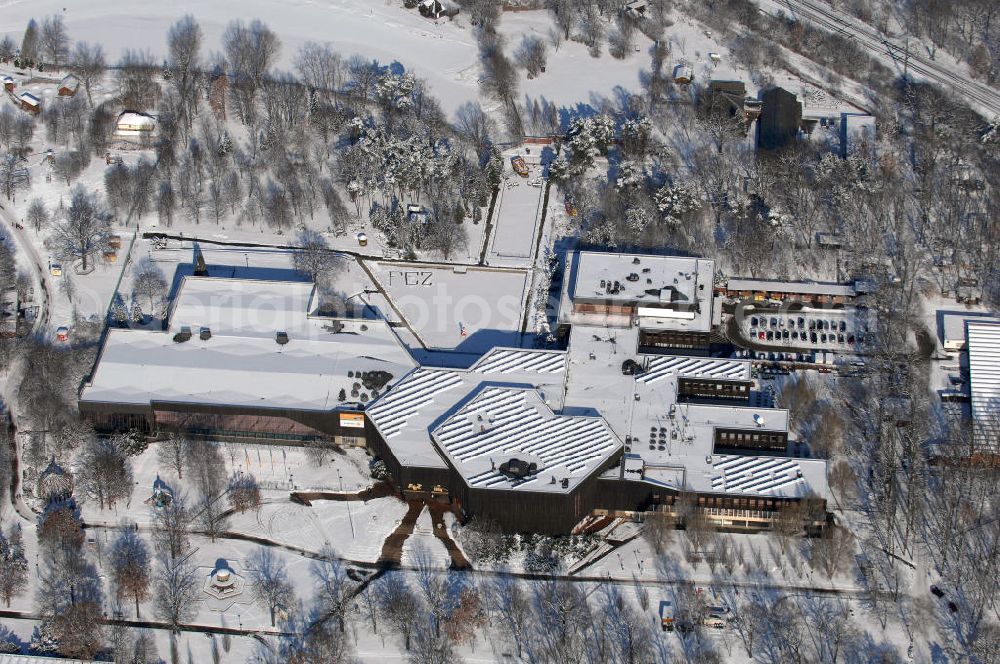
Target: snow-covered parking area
517,216
466,308
815,329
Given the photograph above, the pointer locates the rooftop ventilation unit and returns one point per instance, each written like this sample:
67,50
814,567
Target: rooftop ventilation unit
565,483
631,368
518,469
632,277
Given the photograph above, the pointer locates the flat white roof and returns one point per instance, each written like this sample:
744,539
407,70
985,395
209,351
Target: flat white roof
953,325
984,374
673,442
242,364
666,283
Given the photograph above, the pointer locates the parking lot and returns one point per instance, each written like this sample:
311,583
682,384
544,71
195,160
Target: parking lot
837,330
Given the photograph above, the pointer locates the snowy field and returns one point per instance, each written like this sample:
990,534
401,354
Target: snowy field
465,308
443,52
355,530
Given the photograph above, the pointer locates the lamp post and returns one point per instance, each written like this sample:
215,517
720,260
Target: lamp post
350,518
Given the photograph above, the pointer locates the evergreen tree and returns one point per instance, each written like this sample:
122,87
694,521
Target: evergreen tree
137,315
29,45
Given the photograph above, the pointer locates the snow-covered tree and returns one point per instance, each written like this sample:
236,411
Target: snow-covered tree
84,229
13,564
674,201
148,281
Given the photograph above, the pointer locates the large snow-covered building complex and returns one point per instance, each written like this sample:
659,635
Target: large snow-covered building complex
534,439
244,359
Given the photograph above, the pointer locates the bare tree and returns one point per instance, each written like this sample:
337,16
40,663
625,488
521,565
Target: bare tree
166,202
482,13
13,175
170,526
562,15
842,480
511,609
321,68
531,55
175,589
631,638
788,523
658,529
105,471
13,564
244,492
250,51
69,598
8,48
335,590
172,452
832,551
84,229
184,45
271,587
137,87
149,281
54,41
397,604
88,64
475,126
130,565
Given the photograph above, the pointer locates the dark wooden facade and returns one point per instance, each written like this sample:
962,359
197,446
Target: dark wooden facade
657,339
713,388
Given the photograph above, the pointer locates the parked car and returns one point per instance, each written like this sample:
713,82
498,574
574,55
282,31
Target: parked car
937,592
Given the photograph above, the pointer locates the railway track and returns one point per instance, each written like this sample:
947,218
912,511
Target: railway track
982,97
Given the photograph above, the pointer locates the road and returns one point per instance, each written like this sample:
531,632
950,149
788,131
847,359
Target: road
892,52
40,284
39,272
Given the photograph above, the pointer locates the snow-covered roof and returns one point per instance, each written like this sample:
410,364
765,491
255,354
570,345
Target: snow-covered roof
953,335
570,411
406,414
984,374
242,364
29,98
503,423
651,283
135,119
803,287
70,82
